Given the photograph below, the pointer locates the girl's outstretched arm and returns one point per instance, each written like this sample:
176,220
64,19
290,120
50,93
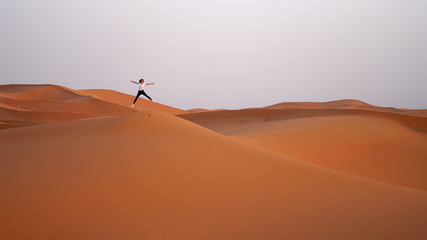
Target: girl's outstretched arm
133,82
149,83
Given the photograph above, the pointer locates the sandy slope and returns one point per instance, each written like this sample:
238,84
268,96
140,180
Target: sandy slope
372,147
378,145
151,175
126,100
23,105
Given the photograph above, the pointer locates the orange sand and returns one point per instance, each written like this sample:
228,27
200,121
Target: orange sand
23,105
378,145
151,175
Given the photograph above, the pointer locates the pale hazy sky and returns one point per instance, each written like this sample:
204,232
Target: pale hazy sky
222,53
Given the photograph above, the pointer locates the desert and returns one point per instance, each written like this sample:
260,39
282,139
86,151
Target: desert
82,164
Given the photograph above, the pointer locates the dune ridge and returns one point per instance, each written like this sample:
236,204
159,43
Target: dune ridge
126,100
337,104
24,105
346,104
39,92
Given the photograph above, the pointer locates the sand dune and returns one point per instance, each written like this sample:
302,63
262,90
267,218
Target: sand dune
378,145
152,175
339,104
23,105
38,117
83,165
126,100
226,122
420,113
372,147
198,110
345,104
39,92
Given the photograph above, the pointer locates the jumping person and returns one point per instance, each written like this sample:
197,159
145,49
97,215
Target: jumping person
141,85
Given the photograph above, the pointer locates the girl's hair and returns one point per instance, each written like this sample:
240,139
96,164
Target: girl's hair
141,80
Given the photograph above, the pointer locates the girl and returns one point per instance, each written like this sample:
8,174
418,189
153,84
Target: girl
141,85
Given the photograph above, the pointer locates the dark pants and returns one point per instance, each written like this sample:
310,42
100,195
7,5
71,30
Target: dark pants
139,94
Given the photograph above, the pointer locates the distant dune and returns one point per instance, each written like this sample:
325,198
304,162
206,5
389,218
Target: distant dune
111,172
346,104
379,145
199,110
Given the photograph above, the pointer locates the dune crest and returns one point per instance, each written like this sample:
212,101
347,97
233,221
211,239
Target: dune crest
25,105
126,100
42,92
345,104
